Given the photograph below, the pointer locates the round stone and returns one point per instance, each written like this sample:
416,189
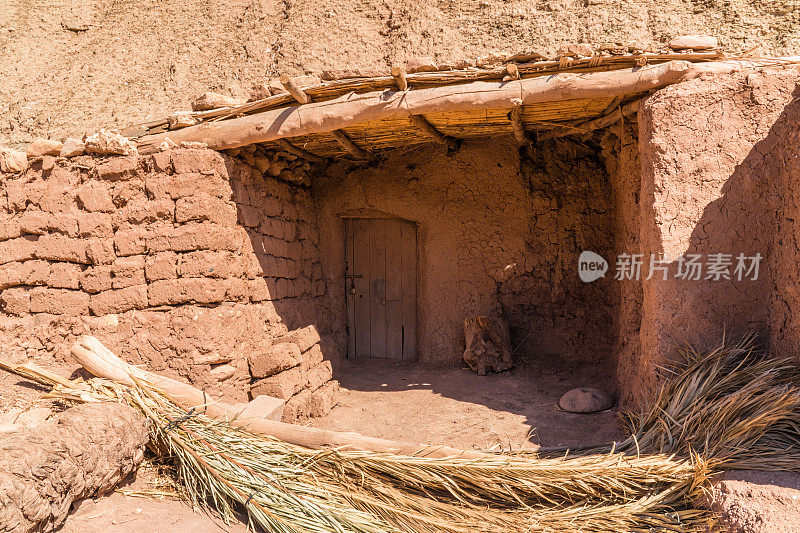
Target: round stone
586,400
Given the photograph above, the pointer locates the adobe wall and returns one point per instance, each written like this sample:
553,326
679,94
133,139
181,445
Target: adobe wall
189,262
719,175
621,156
497,235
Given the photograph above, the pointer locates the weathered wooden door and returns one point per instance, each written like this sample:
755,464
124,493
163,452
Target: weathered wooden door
381,287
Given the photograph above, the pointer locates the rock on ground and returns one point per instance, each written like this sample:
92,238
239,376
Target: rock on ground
83,451
586,400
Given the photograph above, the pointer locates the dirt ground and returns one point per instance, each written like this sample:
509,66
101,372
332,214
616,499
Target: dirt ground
458,407
120,513
72,66
759,502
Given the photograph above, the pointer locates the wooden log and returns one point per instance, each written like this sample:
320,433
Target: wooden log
298,93
420,122
516,124
594,124
399,75
488,344
353,109
511,72
101,362
286,146
351,147
334,88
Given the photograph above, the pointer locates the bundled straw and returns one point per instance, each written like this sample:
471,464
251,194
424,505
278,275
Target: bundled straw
733,407
288,488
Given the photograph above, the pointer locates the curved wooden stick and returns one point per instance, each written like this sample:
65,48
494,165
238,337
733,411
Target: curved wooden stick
101,362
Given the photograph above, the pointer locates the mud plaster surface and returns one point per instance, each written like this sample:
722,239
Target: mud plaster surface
73,66
719,175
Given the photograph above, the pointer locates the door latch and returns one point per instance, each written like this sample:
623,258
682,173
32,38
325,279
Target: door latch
352,277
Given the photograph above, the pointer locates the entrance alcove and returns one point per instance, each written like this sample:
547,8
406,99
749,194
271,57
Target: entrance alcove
498,229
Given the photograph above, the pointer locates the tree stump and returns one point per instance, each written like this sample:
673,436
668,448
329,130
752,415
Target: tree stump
488,344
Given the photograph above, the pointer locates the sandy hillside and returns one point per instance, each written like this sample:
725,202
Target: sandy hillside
70,66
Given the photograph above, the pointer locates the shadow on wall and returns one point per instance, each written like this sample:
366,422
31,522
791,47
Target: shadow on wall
719,173
551,312
493,239
281,226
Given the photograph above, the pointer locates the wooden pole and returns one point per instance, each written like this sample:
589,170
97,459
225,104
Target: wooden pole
511,72
420,122
399,76
351,147
286,146
101,362
594,124
298,93
327,116
517,125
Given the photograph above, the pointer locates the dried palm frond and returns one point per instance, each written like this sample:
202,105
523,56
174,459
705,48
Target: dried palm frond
734,405
284,487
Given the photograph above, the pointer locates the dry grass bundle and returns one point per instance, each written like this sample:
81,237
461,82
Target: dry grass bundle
284,487
734,406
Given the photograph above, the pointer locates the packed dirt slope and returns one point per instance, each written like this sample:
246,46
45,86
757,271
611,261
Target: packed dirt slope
70,66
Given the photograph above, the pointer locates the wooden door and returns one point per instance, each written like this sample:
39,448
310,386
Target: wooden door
381,288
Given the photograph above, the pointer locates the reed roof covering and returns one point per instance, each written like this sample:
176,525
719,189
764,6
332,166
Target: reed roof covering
358,116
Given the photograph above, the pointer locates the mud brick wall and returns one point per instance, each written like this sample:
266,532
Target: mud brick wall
189,262
294,368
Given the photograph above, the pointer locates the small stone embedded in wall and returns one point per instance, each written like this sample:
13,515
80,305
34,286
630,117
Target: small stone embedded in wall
12,161
43,147
72,148
106,142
